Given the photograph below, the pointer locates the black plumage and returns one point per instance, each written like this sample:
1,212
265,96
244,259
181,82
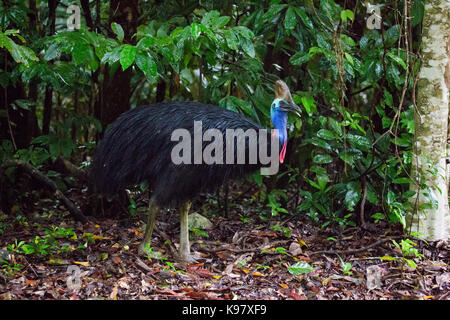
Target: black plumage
137,147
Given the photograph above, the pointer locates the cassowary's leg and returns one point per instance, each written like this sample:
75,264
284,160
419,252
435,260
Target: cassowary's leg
153,210
184,232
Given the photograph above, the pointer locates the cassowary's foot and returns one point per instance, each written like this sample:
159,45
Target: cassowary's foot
186,258
144,248
184,250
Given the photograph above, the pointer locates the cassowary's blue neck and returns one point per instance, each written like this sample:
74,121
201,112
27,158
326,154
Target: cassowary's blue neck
279,120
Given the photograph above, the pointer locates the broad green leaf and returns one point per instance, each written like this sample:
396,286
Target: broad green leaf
146,42
320,143
417,12
349,156
309,104
411,263
347,40
11,31
326,134
92,60
210,17
127,55
195,30
243,105
146,63
112,56
214,20
21,54
231,38
359,142
305,19
390,197
323,41
336,126
391,35
397,59
371,195
290,19
305,205
80,53
118,30
299,268
273,11
315,50
388,98
353,195
299,58
402,180
52,52
221,22
347,14
247,46
24,104
349,58
322,158
244,31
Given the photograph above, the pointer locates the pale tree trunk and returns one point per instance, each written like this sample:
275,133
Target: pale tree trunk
430,214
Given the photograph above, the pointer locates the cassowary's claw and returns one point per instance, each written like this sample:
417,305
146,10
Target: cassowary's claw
188,259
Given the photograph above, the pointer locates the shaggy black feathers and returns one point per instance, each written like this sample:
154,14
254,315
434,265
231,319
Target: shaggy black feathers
137,147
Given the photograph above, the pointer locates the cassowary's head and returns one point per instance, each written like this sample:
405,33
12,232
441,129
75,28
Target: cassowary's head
282,104
283,100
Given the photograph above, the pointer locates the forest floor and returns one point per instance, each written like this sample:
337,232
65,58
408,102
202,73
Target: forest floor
238,258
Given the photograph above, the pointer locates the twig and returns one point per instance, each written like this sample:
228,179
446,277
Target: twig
7,110
168,239
361,90
363,202
31,267
351,251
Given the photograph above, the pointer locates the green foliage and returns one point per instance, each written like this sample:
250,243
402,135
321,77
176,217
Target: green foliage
273,199
345,266
354,138
21,54
299,268
408,250
199,232
285,231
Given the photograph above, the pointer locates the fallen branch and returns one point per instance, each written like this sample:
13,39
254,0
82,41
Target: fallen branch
68,167
39,176
352,251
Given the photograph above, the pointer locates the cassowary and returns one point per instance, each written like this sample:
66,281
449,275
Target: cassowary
141,145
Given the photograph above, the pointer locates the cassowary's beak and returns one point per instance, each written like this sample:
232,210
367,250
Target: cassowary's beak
291,107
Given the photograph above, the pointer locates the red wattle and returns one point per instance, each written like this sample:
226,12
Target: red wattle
283,152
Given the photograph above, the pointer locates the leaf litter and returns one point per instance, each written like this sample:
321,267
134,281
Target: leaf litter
236,260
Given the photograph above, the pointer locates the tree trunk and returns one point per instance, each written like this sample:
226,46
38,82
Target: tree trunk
47,115
48,99
116,89
430,214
